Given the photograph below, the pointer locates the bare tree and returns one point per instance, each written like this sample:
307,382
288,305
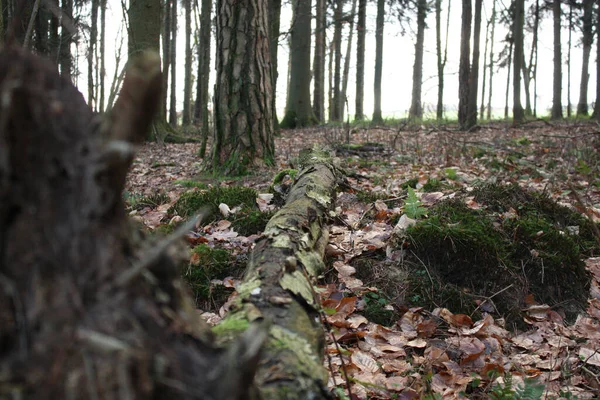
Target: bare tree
187,82
173,97
347,59
557,77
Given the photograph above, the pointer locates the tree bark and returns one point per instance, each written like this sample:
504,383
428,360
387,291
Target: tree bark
557,77
166,54
474,73
491,62
319,61
187,81
569,47
298,111
173,50
441,61
416,108
92,100
337,72
586,40
464,65
66,38
509,66
484,78
347,59
243,93
102,54
518,114
596,112
377,118
274,24
361,30
202,112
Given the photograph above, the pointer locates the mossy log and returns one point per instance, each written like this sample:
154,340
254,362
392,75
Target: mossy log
85,313
278,287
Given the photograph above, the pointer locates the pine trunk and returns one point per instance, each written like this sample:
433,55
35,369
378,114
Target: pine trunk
337,72
587,40
173,47
377,118
416,108
187,81
361,31
319,61
474,73
557,77
518,114
202,112
347,59
243,92
464,65
298,111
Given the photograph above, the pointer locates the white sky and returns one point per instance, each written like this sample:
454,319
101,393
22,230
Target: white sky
398,59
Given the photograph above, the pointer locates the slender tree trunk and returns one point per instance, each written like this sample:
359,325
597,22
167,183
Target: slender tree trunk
464,67
491,63
42,29
518,114
416,108
534,62
243,112
299,111
360,60
187,82
596,112
102,52
274,24
484,79
166,54
377,118
474,74
173,103
509,64
337,74
347,59
441,60
569,45
202,112
330,79
587,40
526,72
54,37
66,38
557,77
92,101
319,61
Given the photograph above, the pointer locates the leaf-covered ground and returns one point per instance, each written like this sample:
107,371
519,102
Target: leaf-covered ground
424,353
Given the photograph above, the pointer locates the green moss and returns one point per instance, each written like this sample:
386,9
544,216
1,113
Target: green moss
191,202
375,309
367,196
208,264
231,327
138,201
249,222
191,184
433,185
412,183
280,176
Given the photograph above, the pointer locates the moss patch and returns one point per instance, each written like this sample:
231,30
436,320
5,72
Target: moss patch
193,201
249,222
519,243
208,266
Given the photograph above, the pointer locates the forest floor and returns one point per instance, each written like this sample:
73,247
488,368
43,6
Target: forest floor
425,352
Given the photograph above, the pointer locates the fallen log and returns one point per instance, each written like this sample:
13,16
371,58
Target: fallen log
86,312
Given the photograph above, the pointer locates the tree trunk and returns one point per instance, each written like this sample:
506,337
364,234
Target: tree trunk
187,82
202,112
441,61
569,46
509,66
474,74
361,30
92,101
330,79
173,48
166,55
243,93
518,114
491,62
557,77
596,112
42,29
416,108
533,60
587,40
79,320
102,53
66,38
319,61
337,72
377,118
144,26
463,68
484,79
298,111
347,59
526,72
54,37
274,24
